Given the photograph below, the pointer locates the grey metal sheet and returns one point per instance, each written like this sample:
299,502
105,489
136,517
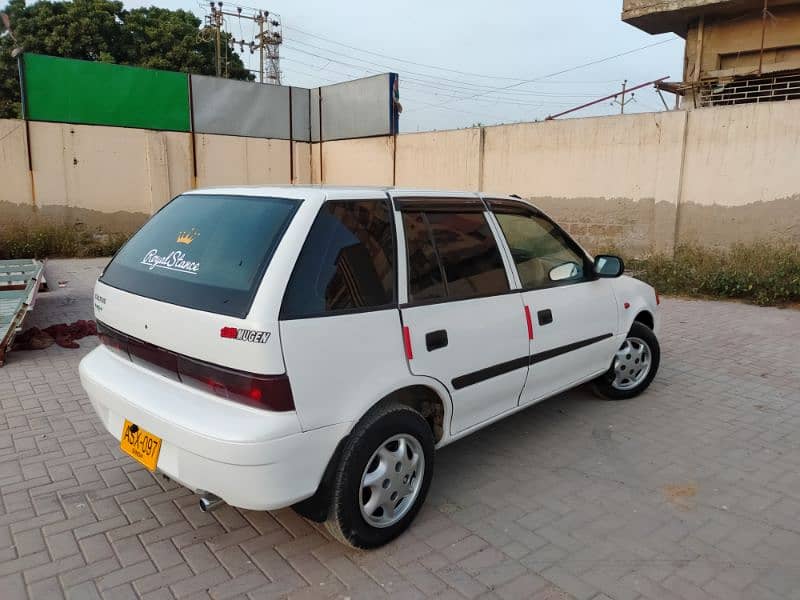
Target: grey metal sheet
314,101
359,108
240,108
301,116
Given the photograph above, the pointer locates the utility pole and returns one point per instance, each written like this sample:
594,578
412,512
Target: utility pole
620,98
266,40
215,21
625,90
260,48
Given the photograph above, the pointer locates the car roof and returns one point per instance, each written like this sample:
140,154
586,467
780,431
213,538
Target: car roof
320,193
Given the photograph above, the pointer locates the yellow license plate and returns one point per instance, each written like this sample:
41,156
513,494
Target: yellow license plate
140,444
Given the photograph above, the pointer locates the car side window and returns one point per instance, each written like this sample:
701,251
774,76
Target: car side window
452,255
425,274
347,261
543,255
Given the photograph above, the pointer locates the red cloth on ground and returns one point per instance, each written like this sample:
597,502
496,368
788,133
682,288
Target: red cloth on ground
63,334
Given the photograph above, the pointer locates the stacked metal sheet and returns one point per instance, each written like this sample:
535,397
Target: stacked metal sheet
20,281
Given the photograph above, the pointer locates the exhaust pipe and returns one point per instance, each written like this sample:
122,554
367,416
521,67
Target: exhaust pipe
209,501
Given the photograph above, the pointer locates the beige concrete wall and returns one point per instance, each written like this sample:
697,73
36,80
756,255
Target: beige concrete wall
15,181
367,161
113,178
302,162
742,174
640,183
440,159
232,160
82,172
316,164
612,182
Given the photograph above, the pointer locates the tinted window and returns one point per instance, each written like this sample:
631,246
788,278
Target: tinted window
203,251
538,247
455,256
347,261
425,279
469,254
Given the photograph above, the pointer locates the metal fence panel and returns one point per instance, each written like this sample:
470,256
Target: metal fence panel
301,115
360,108
240,108
314,101
94,93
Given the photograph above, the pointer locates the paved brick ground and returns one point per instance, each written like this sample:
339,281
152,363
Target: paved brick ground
690,491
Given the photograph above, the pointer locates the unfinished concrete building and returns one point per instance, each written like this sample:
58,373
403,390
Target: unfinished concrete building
737,51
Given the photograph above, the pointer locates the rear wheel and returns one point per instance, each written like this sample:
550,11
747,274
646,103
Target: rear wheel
383,477
634,365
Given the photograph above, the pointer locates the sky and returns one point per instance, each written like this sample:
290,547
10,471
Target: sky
463,62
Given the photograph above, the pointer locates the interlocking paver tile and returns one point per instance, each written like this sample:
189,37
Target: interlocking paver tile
690,491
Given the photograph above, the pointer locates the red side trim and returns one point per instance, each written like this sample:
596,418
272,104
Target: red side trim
529,322
228,332
658,298
407,342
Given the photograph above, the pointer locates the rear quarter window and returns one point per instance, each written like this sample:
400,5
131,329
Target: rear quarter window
347,262
203,251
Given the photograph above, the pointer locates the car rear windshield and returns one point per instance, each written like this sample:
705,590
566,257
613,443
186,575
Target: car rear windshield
207,252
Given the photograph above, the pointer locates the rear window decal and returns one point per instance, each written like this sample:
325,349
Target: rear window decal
187,237
174,261
245,335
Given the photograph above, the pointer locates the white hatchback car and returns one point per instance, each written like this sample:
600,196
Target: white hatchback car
311,346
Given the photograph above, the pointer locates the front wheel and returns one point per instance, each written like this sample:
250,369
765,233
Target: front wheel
383,477
634,365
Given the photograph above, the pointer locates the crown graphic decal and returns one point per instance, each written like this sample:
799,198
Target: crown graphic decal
187,237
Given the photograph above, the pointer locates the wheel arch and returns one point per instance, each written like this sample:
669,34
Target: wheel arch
424,394
645,317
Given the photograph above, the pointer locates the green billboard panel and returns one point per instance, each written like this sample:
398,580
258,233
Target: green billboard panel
94,93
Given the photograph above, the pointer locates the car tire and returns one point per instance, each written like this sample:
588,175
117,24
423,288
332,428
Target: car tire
382,478
627,378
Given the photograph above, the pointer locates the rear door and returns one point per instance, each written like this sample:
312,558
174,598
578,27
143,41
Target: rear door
574,314
464,325
340,326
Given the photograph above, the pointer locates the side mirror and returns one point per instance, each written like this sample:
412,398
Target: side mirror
567,270
606,265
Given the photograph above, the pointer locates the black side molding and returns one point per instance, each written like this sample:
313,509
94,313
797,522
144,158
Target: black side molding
463,381
474,377
553,352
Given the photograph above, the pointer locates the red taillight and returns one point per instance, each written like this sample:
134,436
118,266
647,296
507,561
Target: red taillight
270,392
113,340
153,356
228,332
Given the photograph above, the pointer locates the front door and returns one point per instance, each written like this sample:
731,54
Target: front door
574,314
574,336
464,325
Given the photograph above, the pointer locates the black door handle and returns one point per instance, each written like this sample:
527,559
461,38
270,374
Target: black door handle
436,339
545,316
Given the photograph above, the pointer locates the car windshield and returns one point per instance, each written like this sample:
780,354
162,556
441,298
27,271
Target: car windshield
207,251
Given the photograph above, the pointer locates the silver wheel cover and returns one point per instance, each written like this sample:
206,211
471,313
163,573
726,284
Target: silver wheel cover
632,364
391,481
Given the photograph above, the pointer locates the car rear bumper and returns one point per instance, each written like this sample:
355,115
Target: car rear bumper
250,458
